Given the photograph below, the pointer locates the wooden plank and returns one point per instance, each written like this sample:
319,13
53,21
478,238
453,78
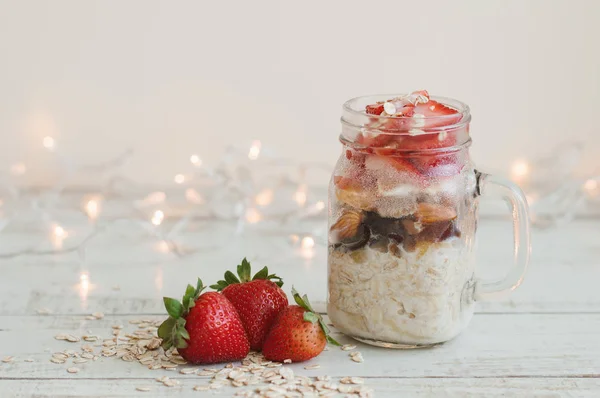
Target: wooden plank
495,345
383,388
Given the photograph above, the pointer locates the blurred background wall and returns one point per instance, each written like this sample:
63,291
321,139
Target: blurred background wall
169,79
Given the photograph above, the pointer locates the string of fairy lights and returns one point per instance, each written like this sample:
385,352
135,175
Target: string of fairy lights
234,191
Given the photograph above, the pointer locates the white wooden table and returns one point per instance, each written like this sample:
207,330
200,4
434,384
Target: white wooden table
544,340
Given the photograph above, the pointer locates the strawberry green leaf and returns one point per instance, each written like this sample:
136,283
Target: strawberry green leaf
230,278
183,333
188,298
326,330
199,288
311,317
299,300
244,274
308,305
262,274
191,295
275,277
178,340
220,285
332,341
165,332
244,270
174,307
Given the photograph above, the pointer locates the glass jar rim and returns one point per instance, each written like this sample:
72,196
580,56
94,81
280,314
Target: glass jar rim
354,115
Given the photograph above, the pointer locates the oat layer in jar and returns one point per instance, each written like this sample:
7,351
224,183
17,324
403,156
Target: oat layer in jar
402,220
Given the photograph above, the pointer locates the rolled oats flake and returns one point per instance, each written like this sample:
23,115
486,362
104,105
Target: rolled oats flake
356,356
312,367
188,371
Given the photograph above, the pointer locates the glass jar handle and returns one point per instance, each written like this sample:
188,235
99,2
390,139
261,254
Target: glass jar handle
520,214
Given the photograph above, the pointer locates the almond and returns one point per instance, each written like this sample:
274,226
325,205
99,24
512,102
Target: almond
355,197
348,228
429,213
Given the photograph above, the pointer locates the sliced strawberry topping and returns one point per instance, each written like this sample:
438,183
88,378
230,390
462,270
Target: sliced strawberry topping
375,109
438,165
402,164
432,109
374,139
414,115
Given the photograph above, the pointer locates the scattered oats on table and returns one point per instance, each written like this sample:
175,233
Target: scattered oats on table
8,359
98,315
72,339
348,347
356,356
73,370
312,367
188,371
143,389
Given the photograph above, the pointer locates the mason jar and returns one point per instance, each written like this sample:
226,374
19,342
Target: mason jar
403,215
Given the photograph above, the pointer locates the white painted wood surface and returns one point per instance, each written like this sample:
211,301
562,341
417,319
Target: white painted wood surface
543,341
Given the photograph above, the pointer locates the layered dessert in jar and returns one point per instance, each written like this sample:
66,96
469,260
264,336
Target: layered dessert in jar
402,219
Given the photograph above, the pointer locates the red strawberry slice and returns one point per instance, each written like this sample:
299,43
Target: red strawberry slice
438,165
432,140
375,109
374,140
400,163
415,116
432,109
382,132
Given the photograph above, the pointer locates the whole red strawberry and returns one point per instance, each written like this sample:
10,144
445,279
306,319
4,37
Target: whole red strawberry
258,300
298,334
204,328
